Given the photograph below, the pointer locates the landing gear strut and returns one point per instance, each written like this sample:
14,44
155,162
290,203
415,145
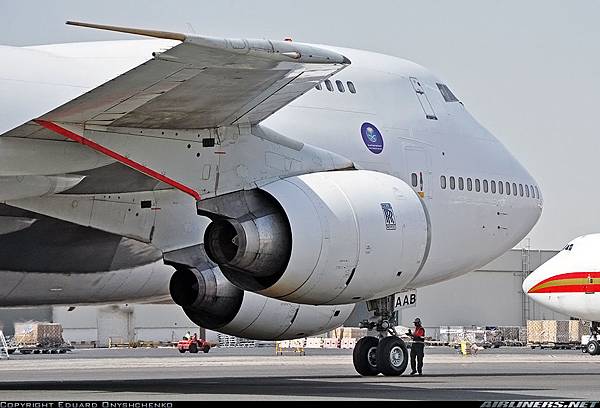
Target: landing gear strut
386,354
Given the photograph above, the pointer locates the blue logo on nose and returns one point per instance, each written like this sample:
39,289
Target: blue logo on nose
372,138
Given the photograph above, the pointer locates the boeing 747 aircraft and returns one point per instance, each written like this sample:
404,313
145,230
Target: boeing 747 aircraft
267,187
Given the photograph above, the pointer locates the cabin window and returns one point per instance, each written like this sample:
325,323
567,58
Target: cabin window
486,186
318,87
477,185
340,86
515,192
527,190
537,192
351,87
493,185
447,93
414,179
461,183
452,183
500,187
469,184
443,182
329,85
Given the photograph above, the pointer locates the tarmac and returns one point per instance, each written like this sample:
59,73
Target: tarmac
259,374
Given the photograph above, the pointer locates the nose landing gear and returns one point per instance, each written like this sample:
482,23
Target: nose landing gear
593,346
385,355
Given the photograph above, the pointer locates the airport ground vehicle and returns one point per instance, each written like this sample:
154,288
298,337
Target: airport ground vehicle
193,346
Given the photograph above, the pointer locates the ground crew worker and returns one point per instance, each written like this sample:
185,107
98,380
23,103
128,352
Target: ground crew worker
187,336
417,350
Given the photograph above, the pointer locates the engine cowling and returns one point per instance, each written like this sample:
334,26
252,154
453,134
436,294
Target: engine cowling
324,238
212,302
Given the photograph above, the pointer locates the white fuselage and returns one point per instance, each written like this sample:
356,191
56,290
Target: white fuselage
569,283
435,146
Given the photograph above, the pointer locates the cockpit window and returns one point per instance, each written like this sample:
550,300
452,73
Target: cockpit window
447,93
569,247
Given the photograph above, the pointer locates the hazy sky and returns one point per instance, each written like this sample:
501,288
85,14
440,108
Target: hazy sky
528,70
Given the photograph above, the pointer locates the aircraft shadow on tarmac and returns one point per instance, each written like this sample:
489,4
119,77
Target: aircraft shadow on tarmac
327,387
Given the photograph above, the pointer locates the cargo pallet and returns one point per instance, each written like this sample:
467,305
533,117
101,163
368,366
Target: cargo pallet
555,346
41,350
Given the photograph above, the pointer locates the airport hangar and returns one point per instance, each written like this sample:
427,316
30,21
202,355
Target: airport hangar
490,296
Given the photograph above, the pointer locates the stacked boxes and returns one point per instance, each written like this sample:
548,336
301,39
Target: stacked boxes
314,342
548,331
523,334
348,343
34,333
353,333
577,329
227,341
331,343
510,333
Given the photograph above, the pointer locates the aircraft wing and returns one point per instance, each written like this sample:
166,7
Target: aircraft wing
199,84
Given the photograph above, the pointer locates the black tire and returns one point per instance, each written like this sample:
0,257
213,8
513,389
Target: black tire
206,349
193,348
364,356
181,350
392,356
593,348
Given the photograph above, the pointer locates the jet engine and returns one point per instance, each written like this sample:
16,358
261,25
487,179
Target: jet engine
212,302
324,238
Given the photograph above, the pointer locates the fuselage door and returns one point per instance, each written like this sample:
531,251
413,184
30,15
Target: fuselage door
423,99
589,287
419,170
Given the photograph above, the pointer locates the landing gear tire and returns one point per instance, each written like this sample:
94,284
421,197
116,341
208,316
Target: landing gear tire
365,356
392,356
593,348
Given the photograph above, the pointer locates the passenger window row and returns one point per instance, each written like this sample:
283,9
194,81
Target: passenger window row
339,85
493,187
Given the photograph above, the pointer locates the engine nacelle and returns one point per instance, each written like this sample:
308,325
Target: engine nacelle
212,302
325,238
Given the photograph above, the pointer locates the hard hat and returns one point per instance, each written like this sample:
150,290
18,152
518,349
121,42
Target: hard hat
417,320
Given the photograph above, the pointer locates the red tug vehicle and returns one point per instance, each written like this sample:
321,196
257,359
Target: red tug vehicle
193,345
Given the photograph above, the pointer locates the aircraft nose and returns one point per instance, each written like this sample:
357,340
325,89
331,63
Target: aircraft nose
529,283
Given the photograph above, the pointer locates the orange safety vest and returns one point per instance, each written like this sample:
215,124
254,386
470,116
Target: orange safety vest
419,335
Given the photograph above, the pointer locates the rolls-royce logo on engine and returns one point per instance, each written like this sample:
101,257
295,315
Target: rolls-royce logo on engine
390,218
